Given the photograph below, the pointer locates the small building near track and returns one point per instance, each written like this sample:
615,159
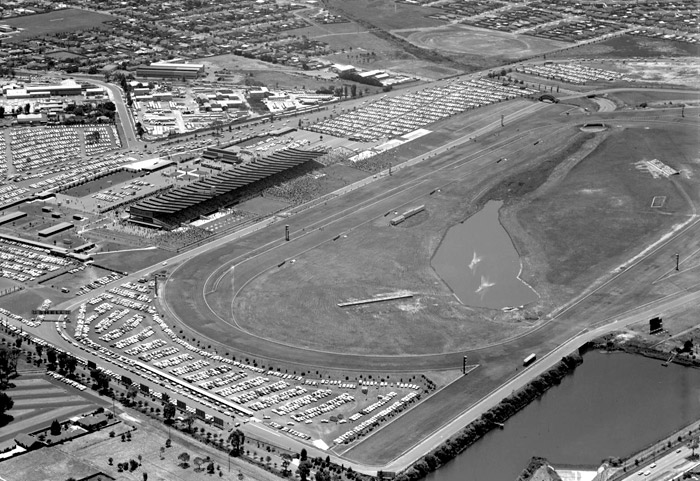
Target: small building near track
55,229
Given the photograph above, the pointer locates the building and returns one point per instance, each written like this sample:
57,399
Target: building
170,70
93,422
68,87
203,197
31,118
340,68
55,229
28,442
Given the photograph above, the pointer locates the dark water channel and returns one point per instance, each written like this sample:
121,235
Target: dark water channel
613,405
479,263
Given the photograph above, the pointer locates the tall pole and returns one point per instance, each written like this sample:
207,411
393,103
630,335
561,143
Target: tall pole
678,257
286,232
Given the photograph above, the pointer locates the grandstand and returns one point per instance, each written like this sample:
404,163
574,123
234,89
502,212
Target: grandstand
203,197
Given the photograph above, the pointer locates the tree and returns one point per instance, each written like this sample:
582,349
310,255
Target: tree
210,468
693,445
62,356
6,403
2,112
189,420
5,369
303,455
236,439
55,428
168,412
39,349
133,464
184,458
132,391
51,356
101,379
304,469
70,365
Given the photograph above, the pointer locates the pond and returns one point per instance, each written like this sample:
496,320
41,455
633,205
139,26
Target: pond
478,262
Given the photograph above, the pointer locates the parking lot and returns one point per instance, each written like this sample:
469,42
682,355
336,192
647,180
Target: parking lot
122,326
25,263
570,73
47,149
398,115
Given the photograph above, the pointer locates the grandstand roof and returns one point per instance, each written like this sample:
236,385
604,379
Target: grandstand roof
177,66
240,176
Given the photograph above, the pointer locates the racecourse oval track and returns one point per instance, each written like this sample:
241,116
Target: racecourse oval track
199,291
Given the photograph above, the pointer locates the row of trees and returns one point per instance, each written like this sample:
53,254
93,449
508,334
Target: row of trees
491,419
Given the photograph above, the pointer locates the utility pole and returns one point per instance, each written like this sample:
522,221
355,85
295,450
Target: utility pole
501,120
678,257
464,365
286,232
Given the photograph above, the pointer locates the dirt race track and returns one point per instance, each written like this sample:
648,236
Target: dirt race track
212,273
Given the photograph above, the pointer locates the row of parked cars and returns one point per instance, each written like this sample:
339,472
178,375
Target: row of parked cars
398,115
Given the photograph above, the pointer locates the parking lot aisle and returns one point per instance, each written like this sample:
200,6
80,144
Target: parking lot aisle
81,142
8,152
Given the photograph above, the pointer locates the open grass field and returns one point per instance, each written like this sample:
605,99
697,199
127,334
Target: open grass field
476,41
654,99
629,46
662,71
389,15
608,187
359,265
7,284
22,302
560,251
386,55
130,260
56,21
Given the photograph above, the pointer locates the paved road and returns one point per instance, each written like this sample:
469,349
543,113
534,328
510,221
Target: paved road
666,468
116,95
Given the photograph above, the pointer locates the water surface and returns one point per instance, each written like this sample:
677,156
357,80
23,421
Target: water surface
613,405
478,262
